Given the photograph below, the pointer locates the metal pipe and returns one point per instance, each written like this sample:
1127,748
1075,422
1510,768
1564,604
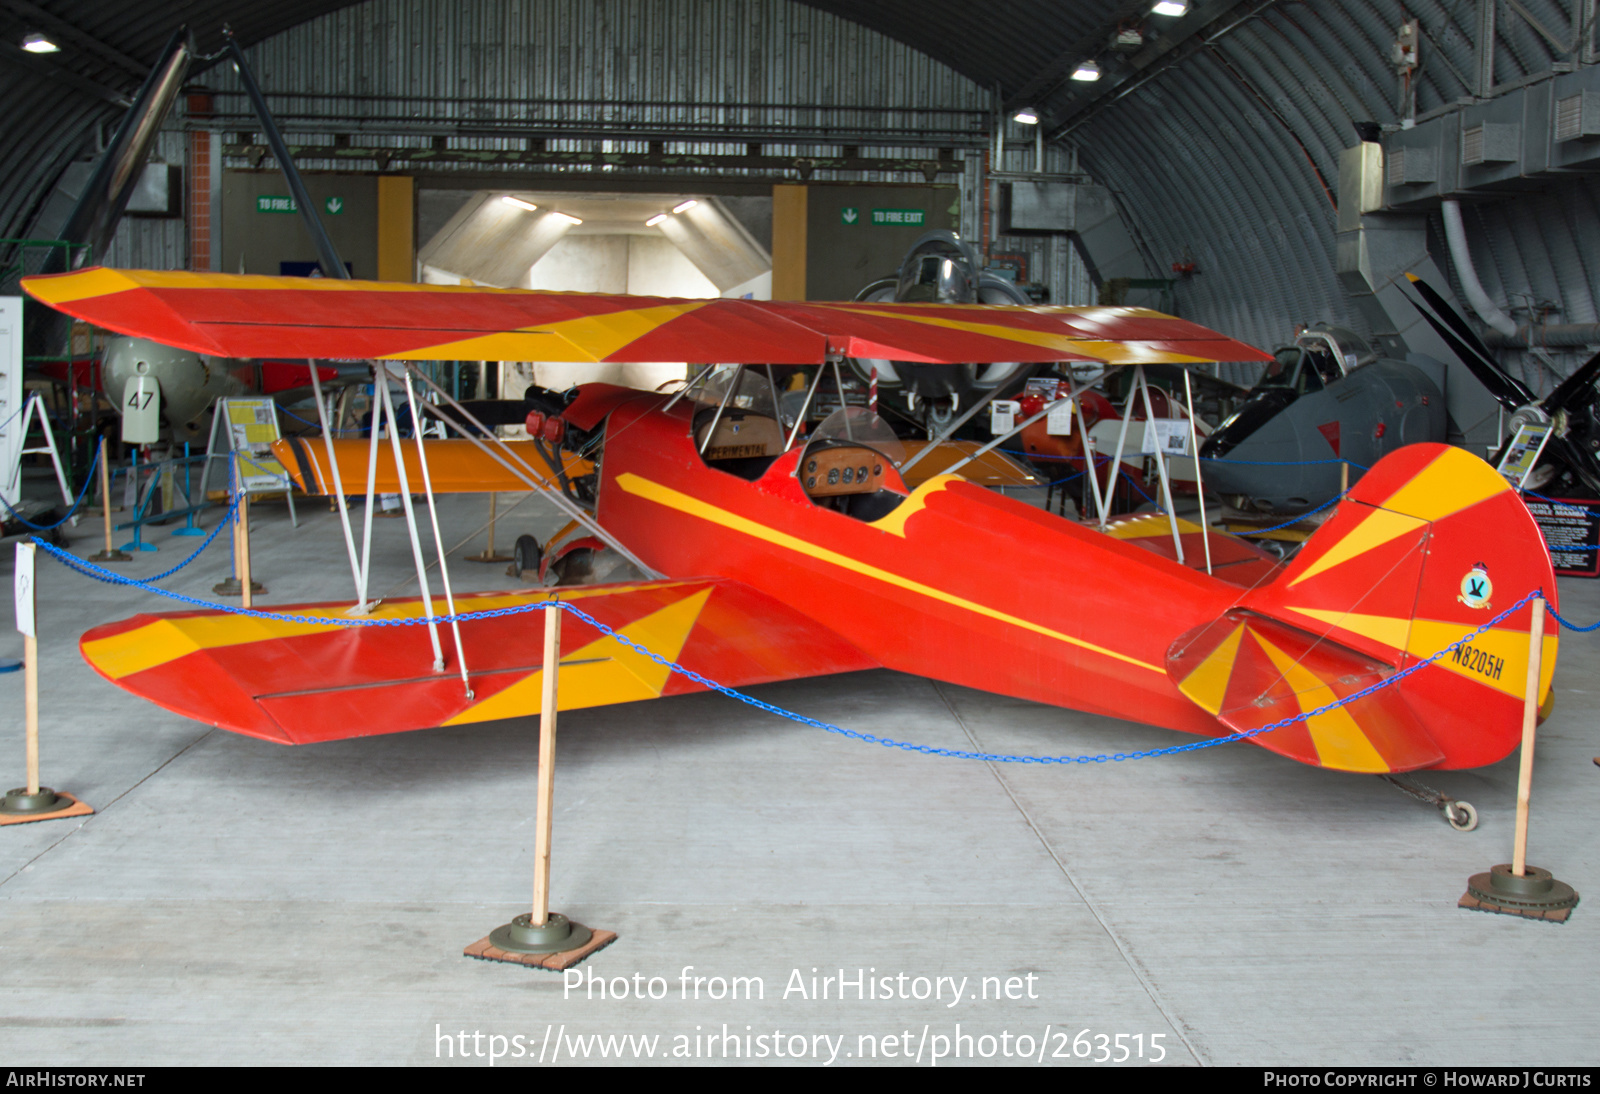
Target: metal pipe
327,254
1456,234
1556,335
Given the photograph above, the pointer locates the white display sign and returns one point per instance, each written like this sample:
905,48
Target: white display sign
24,587
1003,416
1174,435
1058,423
141,410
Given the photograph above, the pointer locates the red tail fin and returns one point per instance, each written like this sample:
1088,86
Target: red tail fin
1429,546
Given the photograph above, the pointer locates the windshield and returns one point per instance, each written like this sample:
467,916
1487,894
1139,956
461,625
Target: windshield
753,390
858,425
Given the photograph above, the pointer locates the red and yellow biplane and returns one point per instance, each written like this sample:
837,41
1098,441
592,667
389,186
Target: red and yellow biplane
784,557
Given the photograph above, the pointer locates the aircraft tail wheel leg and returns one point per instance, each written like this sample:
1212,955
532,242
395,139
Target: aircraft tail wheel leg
1459,814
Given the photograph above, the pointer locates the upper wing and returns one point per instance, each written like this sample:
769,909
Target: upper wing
298,683
230,315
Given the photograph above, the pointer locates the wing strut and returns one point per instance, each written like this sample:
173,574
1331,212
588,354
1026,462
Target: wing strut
514,463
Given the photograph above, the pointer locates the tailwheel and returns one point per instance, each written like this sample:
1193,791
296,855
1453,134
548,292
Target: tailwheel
1461,815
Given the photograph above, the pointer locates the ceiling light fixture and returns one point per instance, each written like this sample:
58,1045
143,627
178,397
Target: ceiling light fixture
657,219
1026,117
1088,72
683,206
1170,7
518,202
568,217
38,43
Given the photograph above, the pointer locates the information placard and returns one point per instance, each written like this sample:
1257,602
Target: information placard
1571,529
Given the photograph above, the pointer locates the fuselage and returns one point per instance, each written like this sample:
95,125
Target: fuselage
958,583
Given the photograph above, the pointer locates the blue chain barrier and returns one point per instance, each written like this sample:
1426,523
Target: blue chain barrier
286,412
89,569
88,482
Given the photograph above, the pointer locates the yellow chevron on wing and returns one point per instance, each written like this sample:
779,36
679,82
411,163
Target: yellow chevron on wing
590,337
604,671
1377,528
1339,742
1111,353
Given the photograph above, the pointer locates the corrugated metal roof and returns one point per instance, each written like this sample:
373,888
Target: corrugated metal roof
1225,145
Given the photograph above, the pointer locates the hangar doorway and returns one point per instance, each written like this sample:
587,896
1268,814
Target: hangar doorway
666,244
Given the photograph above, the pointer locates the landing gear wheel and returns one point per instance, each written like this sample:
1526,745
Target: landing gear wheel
1460,814
525,556
576,567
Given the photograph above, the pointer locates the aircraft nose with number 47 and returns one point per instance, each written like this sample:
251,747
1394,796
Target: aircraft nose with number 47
768,555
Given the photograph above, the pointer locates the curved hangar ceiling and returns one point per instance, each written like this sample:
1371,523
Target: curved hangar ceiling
1272,88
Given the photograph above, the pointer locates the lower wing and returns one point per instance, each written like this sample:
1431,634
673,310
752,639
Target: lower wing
299,683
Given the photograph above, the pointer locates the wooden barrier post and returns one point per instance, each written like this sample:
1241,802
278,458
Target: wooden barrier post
488,551
110,554
33,802
1515,888
242,545
542,937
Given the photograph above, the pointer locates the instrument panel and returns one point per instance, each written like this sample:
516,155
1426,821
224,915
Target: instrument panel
842,469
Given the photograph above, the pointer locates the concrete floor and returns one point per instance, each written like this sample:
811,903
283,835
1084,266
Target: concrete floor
239,902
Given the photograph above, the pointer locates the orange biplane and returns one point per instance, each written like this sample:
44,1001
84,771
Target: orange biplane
770,556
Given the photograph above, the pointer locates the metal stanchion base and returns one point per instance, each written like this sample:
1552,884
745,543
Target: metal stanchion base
1534,895
190,532
137,546
21,807
20,801
112,555
487,557
234,587
557,945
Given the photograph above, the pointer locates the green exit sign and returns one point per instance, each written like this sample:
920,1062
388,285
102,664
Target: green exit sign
282,203
899,218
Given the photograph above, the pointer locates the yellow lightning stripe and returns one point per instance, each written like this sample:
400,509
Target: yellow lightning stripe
614,673
895,522
1339,742
1378,528
168,639
591,337
1504,665
672,499
1207,685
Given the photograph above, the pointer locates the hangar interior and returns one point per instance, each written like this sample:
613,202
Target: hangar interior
1272,173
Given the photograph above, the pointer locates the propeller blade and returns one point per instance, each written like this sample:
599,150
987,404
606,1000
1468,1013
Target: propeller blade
1567,391
1466,345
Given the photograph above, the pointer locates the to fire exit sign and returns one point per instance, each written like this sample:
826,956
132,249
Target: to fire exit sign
899,218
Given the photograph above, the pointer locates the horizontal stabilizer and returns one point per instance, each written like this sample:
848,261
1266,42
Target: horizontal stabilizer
1250,671
299,683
